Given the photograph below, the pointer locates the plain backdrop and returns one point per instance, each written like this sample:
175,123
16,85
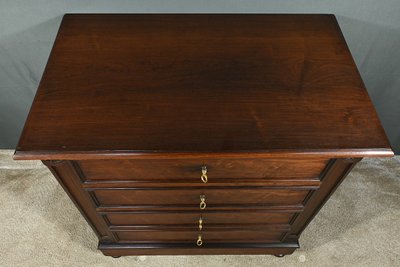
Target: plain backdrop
28,29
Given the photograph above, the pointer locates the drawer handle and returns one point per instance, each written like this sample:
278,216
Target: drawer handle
203,204
203,176
200,223
199,241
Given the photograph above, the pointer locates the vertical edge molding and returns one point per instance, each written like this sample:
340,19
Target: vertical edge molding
70,180
331,179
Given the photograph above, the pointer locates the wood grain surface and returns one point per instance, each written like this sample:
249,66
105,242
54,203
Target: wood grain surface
132,108
200,83
185,170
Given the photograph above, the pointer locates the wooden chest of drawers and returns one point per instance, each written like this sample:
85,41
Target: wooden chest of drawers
200,134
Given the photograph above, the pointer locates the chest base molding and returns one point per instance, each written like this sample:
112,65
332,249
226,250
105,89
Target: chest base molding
116,250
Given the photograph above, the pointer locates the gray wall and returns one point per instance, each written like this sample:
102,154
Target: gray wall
28,28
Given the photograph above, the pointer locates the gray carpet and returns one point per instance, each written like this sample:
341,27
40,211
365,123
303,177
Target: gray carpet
359,225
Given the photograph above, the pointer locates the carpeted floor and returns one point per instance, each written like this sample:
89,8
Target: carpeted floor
359,225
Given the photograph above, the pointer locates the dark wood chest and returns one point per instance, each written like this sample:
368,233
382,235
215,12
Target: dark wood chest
200,134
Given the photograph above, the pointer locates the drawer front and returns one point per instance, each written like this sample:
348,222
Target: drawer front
182,236
191,197
191,169
229,218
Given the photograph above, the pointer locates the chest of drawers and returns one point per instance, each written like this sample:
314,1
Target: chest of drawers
200,134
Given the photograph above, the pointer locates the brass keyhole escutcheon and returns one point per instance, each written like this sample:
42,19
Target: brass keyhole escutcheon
199,241
203,204
204,176
200,223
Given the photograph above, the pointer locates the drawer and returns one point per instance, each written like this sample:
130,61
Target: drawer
191,197
190,236
191,219
191,169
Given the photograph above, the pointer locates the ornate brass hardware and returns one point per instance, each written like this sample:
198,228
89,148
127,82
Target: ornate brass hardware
200,223
203,176
199,241
203,204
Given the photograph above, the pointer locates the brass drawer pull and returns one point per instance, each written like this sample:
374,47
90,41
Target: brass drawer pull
199,241
203,204
200,223
203,176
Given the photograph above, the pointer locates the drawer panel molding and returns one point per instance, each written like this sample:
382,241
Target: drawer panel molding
190,197
181,170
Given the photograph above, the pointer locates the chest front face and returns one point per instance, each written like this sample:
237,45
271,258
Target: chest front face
200,134
207,205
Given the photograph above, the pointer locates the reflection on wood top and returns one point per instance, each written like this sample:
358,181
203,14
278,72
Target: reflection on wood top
200,83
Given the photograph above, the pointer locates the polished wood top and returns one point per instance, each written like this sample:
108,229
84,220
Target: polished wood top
138,84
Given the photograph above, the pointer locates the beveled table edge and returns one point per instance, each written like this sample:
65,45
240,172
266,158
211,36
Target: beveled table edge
133,154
